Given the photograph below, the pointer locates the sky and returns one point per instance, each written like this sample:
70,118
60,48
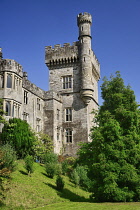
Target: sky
27,26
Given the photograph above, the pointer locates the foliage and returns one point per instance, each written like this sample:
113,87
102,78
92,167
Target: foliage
75,177
59,183
113,156
2,120
67,163
7,165
29,162
7,160
20,136
51,164
43,144
79,177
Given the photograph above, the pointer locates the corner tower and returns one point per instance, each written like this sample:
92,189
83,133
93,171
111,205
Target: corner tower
84,21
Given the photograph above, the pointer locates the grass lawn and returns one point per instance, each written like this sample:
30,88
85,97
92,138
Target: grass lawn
39,192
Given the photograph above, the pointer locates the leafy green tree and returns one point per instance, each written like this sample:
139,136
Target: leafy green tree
51,164
59,183
43,145
19,135
113,156
29,162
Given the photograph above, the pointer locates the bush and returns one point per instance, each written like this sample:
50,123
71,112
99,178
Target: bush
79,177
50,157
50,169
75,177
29,161
51,164
65,167
42,145
19,135
59,183
7,159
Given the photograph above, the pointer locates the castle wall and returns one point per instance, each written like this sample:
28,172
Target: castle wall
65,111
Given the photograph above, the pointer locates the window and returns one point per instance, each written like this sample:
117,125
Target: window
9,81
8,108
58,114
25,116
67,82
68,114
38,103
38,127
68,135
1,81
58,132
25,97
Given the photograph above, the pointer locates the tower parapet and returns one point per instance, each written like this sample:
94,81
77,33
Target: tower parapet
84,18
11,65
61,55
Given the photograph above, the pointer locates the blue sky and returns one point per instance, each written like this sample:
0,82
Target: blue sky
27,26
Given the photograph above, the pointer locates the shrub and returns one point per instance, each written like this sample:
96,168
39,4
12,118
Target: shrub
65,167
59,183
50,169
79,177
51,164
50,157
20,136
75,177
7,159
43,144
29,161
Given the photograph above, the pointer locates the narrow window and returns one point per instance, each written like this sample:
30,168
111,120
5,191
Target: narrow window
25,97
67,82
68,114
13,110
38,103
58,114
58,133
1,81
8,108
68,135
38,127
84,59
9,81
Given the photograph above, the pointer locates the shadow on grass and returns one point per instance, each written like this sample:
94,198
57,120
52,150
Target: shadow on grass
23,172
47,175
67,194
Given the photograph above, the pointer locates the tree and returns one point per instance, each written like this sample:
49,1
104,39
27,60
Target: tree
113,156
43,145
20,136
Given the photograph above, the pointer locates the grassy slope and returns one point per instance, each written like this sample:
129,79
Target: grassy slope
38,192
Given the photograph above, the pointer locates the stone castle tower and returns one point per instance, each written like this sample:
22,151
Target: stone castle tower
65,111
74,73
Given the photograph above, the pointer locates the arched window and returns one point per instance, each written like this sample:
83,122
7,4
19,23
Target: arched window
9,81
8,108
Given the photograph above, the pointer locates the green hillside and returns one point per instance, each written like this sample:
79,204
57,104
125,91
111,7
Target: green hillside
39,192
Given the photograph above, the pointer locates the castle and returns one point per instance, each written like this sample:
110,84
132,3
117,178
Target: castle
65,111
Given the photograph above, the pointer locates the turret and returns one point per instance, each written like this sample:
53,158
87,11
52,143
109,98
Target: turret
84,21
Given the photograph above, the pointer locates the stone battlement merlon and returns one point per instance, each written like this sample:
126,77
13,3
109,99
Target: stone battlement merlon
61,54
59,46
83,18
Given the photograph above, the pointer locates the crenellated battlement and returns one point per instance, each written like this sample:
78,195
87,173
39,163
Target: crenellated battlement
60,55
11,65
83,18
